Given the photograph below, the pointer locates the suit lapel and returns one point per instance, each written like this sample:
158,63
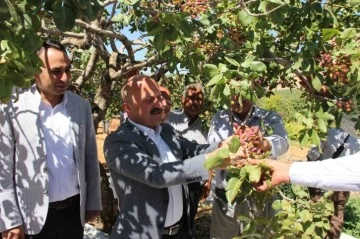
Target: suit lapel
73,114
149,144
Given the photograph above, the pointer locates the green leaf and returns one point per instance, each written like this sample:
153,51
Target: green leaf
277,205
222,68
257,66
64,16
354,3
234,144
322,125
232,61
81,4
329,33
211,70
216,159
279,2
6,86
316,83
233,191
120,17
234,83
254,173
310,230
304,138
214,80
246,19
226,90
306,216
348,33
315,137
309,122
204,20
159,41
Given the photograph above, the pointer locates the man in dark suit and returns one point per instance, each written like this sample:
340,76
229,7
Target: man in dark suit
151,165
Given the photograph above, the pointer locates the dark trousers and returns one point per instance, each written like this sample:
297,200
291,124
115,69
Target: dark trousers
182,234
64,223
339,198
194,194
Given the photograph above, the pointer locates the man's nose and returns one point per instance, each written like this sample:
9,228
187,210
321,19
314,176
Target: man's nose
160,102
65,76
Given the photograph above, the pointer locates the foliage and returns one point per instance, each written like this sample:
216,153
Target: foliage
245,47
296,215
293,129
286,102
352,217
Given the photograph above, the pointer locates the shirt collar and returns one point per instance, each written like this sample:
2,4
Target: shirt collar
63,102
146,130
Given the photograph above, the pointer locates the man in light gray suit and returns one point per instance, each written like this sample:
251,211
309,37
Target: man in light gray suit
151,165
49,176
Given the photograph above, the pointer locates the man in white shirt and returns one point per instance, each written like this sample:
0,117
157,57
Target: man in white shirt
49,181
338,143
341,174
151,165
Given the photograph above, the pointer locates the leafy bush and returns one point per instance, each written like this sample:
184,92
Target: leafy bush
293,129
352,217
286,103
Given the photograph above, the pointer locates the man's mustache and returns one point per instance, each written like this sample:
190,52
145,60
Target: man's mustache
156,111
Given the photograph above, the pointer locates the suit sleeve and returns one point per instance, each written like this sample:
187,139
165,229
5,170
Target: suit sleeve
131,158
93,197
9,212
278,136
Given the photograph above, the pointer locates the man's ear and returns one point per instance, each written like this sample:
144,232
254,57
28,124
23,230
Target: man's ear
182,100
126,107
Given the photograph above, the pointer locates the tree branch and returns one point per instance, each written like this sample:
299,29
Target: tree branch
98,31
89,70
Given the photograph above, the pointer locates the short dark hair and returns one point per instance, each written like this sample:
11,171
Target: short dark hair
51,44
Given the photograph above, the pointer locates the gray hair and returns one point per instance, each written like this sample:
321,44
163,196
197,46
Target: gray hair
197,86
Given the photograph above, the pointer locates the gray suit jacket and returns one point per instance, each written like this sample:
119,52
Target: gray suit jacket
141,179
23,172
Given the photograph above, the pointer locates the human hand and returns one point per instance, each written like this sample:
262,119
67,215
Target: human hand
91,215
205,190
280,173
261,143
14,233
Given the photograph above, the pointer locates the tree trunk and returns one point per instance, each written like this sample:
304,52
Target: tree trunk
109,204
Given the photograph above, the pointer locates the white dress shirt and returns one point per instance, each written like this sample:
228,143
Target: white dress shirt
61,167
341,174
175,206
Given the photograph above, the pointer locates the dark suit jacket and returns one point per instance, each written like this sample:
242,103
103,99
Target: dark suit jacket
141,179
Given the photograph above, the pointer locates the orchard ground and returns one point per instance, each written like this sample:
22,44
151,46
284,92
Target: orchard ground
202,223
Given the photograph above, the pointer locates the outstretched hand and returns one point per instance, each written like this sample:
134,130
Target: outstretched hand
280,173
13,233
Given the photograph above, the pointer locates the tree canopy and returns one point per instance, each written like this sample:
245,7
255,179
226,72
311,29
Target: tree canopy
250,47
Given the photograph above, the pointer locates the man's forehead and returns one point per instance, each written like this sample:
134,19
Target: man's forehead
193,91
